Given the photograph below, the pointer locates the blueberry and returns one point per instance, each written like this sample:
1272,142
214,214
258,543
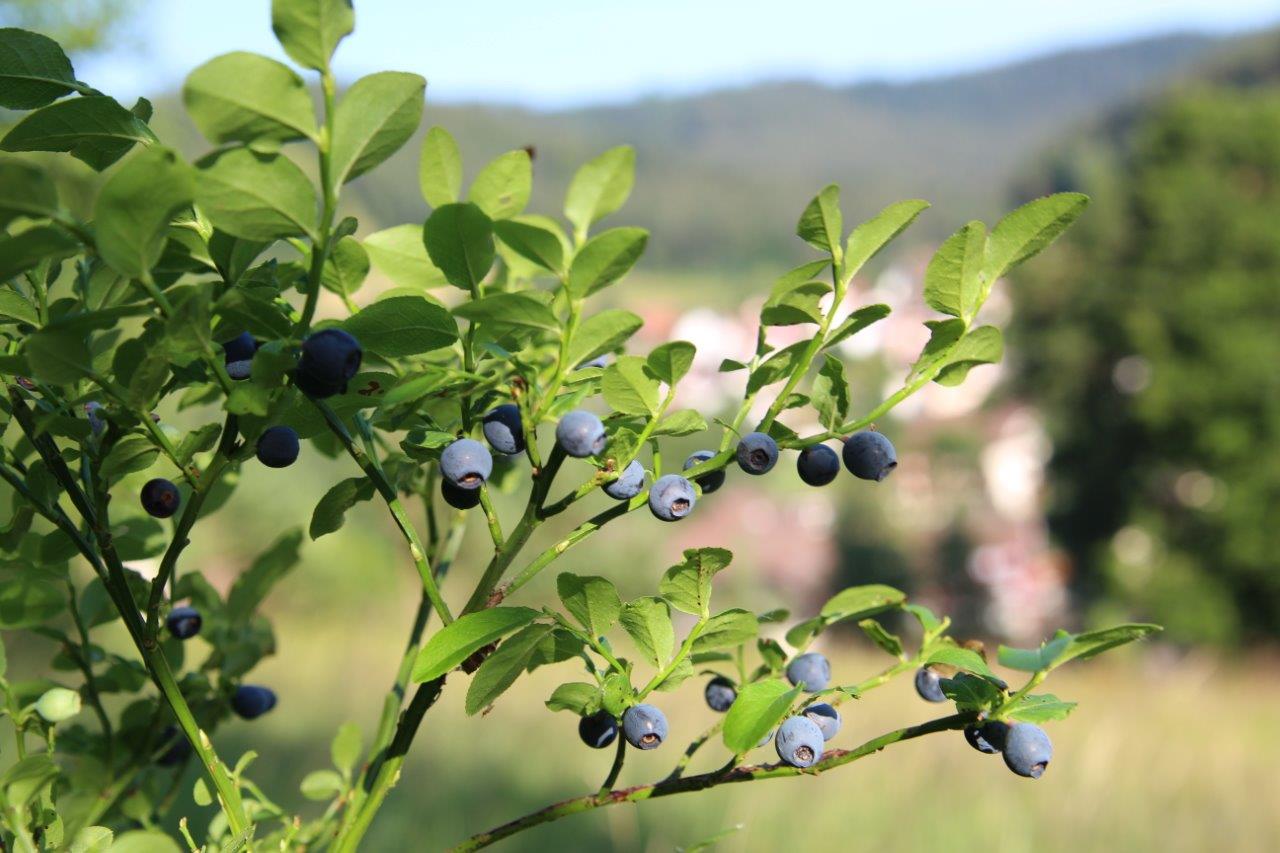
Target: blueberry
177,748
466,463
601,361
644,727
504,430
93,412
251,701
720,693
825,717
184,622
810,671
330,358
1027,750
628,484
799,742
672,497
708,482
160,498
928,685
818,465
580,434
757,453
240,348
458,497
239,370
598,730
869,456
988,738
278,447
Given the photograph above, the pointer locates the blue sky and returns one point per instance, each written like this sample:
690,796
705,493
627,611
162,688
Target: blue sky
558,53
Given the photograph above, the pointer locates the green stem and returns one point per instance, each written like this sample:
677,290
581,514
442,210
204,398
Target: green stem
491,517
618,758
733,775
320,241
815,345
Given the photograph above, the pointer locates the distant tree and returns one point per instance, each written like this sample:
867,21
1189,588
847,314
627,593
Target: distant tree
78,25
1152,342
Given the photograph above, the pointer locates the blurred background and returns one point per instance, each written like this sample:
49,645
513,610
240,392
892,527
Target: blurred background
1123,462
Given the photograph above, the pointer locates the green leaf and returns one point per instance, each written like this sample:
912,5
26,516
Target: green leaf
260,197
531,241
504,666
399,254
462,638
602,333
671,361
321,785
377,115
502,187
969,692
891,643
727,630
440,168
1043,708
777,367
800,633
1029,230
57,356
1034,660
964,659
759,708
94,129
830,395
331,512
27,601
244,97
1090,643
795,295
628,388
25,190
943,336
679,674
604,259
346,267
21,252
251,587
983,345
859,602
687,586
953,281
309,30
521,309
33,70
930,624
616,695
582,699
13,305
856,322
345,748
131,454
600,187
135,207
459,240
821,224
593,601
683,422
648,622
403,325
876,233
559,645
92,839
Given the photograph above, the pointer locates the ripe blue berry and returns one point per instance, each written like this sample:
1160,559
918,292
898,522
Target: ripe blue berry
580,434
928,685
458,497
251,701
707,482
988,738
160,498
672,497
817,465
239,370
600,361
278,447
629,483
466,463
810,671
825,717
330,358
799,742
240,348
757,453
1027,750
644,726
504,430
183,622
177,748
869,456
598,730
93,412
720,693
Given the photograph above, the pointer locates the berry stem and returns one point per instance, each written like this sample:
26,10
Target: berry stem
618,757
320,240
